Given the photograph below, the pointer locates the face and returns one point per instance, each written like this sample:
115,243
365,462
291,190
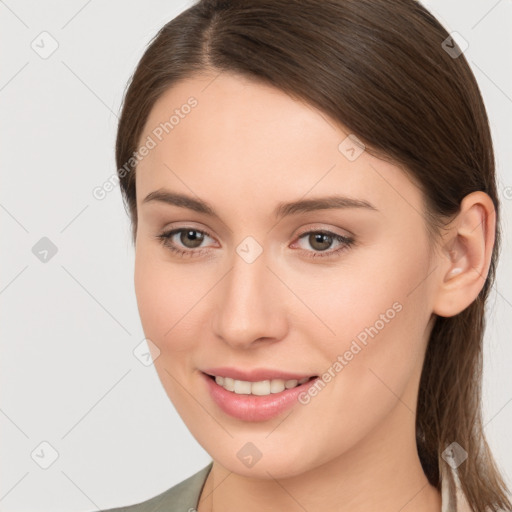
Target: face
242,282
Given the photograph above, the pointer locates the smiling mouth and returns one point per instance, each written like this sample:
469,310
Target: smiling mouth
260,388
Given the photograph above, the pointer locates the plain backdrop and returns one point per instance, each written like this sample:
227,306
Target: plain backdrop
74,396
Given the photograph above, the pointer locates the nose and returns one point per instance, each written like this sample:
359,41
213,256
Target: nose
250,308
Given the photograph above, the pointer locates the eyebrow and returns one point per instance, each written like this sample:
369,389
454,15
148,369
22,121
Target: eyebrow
282,210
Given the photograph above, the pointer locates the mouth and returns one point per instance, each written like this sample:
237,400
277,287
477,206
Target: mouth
254,401
258,388
256,394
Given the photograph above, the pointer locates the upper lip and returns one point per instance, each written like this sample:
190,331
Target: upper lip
255,374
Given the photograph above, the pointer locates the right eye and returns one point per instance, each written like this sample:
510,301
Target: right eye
189,237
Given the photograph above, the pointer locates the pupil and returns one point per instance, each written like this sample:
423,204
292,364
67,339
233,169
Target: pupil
191,238
321,238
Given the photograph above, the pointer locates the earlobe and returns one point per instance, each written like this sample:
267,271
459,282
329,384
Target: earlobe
466,257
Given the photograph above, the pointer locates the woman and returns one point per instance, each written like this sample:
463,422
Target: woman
312,193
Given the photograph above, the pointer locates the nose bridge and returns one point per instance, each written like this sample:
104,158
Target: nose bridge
248,306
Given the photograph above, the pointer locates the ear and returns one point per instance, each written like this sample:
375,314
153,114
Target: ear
466,255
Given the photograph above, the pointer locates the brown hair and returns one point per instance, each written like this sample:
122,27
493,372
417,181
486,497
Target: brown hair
380,69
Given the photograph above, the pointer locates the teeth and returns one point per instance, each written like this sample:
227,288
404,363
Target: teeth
278,385
242,387
228,384
261,388
290,383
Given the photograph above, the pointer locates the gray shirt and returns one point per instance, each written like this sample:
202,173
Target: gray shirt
183,497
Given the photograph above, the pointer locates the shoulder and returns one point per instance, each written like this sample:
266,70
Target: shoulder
182,497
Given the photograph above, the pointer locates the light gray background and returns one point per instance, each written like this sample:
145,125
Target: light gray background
69,326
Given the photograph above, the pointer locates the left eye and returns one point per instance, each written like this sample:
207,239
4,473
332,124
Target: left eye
190,240
320,241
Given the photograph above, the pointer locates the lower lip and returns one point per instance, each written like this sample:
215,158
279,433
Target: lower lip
254,407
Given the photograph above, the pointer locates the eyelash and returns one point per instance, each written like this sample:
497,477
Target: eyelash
346,242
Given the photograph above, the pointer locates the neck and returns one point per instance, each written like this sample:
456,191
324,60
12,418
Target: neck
383,472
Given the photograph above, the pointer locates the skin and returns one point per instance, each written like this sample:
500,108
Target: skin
245,148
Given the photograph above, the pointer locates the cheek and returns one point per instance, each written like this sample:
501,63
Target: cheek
151,301
171,300
371,363
162,298
377,311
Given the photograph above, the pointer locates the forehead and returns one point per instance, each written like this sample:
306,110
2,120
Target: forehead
229,135
243,115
